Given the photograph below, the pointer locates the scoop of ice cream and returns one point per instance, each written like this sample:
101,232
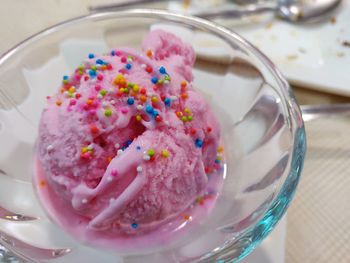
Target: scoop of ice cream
127,142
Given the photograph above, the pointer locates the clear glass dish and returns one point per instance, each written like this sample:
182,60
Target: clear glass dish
263,132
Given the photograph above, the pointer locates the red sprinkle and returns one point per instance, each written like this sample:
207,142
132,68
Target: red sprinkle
149,69
143,91
123,59
86,78
209,129
98,87
99,77
93,129
193,131
158,118
109,67
162,97
77,77
77,96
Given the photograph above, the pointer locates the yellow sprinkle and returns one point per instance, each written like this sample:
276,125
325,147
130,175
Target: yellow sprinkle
220,149
138,117
154,99
165,153
136,88
84,149
219,158
187,110
71,89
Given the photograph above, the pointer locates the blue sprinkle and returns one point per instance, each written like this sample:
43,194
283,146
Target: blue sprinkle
138,147
155,113
92,73
199,143
65,77
149,109
113,53
99,61
91,55
134,225
154,80
130,101
217,161
167,101
128,66
128,142
123,148
162,70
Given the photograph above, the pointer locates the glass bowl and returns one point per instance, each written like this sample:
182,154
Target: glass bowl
262,128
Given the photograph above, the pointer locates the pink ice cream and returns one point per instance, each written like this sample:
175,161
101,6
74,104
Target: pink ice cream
127,144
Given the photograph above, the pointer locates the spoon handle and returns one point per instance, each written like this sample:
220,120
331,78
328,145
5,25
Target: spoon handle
237,11
311,112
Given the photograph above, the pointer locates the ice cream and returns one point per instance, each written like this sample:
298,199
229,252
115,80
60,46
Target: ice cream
127,145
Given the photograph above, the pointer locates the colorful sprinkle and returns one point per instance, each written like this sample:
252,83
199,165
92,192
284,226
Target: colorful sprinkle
138,148
167,102
151,152
100,77
99,61
138,118
139,107
183,84
58,103
136,88
187,217
220,149
130,101
190,118
149,109
42,183
149,69
124,110
165,153
91,56
49,148
184,118
158,118
149,53
199,143
139,169
93,129
108,112
103,92
134,225
146,157
154,80
143,98
209,129
113,53
128,66
184,96
154,99
92,73
162,70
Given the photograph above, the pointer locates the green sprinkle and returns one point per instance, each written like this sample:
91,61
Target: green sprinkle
184,118
108,113
94,68
167,77
151,152
130,85
190,118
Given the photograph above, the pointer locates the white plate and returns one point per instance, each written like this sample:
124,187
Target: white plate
313,56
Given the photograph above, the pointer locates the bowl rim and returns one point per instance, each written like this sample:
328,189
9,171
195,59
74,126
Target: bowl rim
299,146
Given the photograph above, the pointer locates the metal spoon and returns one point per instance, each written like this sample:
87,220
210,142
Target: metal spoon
291,10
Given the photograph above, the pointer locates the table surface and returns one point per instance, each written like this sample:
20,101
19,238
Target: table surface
20,19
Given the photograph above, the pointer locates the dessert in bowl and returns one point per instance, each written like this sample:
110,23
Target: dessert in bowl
249,107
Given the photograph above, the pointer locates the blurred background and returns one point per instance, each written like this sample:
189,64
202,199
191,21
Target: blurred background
315,58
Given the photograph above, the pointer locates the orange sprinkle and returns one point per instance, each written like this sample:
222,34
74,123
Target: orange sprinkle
63,90
143,98
179,114
58,103
42,183
184,95
138,117
187,217
89,102
71,89
183,84
149,53
154,99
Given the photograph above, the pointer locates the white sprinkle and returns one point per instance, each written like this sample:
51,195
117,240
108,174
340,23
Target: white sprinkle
98,66
84,201
49,148
90,147
109,179
139,107
99,96
120,151
173,98
105,104
166,82
146,157
66,93
93,80
117,145
143,66
139,169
